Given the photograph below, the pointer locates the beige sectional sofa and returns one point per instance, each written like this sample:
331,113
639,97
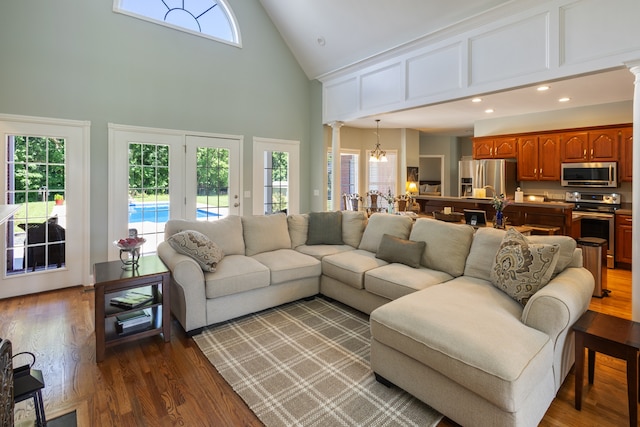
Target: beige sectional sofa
444,325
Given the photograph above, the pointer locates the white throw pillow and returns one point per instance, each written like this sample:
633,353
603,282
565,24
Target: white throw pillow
522,268
199,247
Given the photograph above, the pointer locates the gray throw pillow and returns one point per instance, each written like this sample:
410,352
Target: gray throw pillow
325,228
199,247
521,268
395,249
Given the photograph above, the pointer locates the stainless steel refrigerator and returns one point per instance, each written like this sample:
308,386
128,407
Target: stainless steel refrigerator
499,174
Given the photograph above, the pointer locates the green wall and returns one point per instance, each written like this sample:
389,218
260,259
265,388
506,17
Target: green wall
77,59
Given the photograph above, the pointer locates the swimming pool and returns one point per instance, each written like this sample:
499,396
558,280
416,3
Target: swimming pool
159,212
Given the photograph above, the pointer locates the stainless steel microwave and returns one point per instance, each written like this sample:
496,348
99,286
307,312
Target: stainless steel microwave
595,174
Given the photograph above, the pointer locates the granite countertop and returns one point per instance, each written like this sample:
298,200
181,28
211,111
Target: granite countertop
487,200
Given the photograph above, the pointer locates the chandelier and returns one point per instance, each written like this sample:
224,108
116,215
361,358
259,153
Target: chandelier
378,155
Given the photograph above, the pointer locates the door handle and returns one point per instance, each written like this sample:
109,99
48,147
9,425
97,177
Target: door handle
236,204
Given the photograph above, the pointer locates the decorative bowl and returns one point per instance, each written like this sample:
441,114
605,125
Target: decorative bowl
452,217
129,243
129,250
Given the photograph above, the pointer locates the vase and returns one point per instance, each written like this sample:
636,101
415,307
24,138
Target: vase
390,209
499,222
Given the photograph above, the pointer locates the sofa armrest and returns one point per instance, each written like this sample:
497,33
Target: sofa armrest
557,306
188,290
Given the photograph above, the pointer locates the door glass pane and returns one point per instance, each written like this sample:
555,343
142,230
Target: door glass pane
276,172
148,192
213,183
36,179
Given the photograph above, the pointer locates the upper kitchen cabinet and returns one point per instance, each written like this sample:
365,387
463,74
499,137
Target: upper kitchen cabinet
600,145
490,147
626,154
539,158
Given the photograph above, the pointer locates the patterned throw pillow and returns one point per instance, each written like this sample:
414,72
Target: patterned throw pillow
199,247
521,268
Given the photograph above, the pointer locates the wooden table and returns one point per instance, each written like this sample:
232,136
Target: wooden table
112,280
615,337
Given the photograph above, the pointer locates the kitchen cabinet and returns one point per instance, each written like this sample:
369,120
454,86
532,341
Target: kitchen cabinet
624,229
491,147
539,158
599,145
626,154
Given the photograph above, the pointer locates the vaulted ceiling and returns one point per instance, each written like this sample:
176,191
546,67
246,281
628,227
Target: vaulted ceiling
329,35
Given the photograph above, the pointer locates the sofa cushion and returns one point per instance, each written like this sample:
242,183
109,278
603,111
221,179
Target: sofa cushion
198,246
349,267
263,233
521,268
567,246
395,280
235,274
298,228
325,228
287,264
321,251
225,232
487,240
484,347
380,224
447,244
353,224
394,249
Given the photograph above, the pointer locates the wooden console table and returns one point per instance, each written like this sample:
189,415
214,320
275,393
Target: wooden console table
111,280
615,337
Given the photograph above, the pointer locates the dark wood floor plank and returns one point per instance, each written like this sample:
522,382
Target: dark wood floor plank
149,382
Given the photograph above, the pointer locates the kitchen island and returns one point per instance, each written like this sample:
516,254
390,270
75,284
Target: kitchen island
553,216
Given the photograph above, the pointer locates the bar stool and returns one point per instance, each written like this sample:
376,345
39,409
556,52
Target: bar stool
28,384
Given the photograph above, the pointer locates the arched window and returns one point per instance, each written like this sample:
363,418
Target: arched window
207,18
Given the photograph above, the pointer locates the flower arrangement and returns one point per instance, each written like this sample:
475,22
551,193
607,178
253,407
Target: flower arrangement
500,202
389,197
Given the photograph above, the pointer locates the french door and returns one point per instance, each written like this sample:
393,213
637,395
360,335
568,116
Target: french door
276,176
159,174
45,169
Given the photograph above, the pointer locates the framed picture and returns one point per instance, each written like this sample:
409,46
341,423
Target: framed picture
412,173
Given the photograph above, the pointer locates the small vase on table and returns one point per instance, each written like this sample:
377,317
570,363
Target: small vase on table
499,222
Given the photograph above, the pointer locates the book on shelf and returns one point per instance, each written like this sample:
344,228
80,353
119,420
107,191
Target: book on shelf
134,321
131,299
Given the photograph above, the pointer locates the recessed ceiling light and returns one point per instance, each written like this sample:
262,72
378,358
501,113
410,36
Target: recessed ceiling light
488,110
542,88
476,100
565,99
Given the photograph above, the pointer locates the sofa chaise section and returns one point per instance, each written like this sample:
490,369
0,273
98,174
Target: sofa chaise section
468,341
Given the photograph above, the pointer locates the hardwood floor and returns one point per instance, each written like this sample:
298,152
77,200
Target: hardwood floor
149,383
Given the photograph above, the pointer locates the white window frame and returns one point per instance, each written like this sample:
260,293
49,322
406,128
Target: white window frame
260,145
395,187
233,23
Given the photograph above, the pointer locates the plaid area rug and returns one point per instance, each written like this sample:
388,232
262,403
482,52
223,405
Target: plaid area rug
307,364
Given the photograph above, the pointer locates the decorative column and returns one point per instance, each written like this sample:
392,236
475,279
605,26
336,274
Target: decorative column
335,166
634,67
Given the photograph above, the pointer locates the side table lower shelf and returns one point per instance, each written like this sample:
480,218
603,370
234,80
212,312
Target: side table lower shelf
112,280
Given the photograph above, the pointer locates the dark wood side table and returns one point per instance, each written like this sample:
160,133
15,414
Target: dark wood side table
111,280
615,337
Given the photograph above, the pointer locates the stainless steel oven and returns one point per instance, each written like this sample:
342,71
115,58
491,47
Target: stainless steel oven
596,213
